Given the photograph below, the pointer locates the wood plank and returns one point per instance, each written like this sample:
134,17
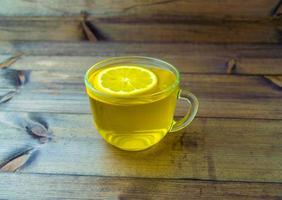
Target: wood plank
57,29
247,65
112,49
153,9
210,148
18,186
190,31
185,63
205,85
219,95
70,28
115,48
201,63
213,106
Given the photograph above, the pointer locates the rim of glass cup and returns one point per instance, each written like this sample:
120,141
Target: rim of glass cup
95,91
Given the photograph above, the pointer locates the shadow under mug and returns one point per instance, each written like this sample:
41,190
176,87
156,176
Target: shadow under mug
137,123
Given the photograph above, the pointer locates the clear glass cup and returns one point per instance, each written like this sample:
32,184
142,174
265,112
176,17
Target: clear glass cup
138,122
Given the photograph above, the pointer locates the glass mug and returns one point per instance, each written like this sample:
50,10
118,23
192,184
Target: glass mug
138,122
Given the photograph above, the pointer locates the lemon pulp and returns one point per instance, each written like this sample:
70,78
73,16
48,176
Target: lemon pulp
125,80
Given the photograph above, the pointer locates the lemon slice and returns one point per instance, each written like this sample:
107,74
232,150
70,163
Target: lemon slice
125,80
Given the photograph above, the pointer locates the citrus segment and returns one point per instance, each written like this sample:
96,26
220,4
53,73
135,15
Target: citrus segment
125,80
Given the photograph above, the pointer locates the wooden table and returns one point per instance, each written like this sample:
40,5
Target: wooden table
232,150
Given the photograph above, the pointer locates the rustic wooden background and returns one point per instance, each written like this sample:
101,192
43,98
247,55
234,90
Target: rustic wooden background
252,21
229,55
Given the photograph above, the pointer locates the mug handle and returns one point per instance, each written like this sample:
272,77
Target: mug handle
193,103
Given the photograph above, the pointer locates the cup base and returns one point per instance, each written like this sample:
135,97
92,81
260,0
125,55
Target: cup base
135,141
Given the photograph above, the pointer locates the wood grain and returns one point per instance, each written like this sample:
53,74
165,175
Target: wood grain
7,96
42,29
190,31
73,29
278,10
229,96
259,65
213,106
9,61
185,63
276,80
201,63
88,33
116,48
216,147
158,21
153,9
210,148
68,96
17,161
219,95
92,187
206,85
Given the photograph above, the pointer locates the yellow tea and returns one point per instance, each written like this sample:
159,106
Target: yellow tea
133,124
133,99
